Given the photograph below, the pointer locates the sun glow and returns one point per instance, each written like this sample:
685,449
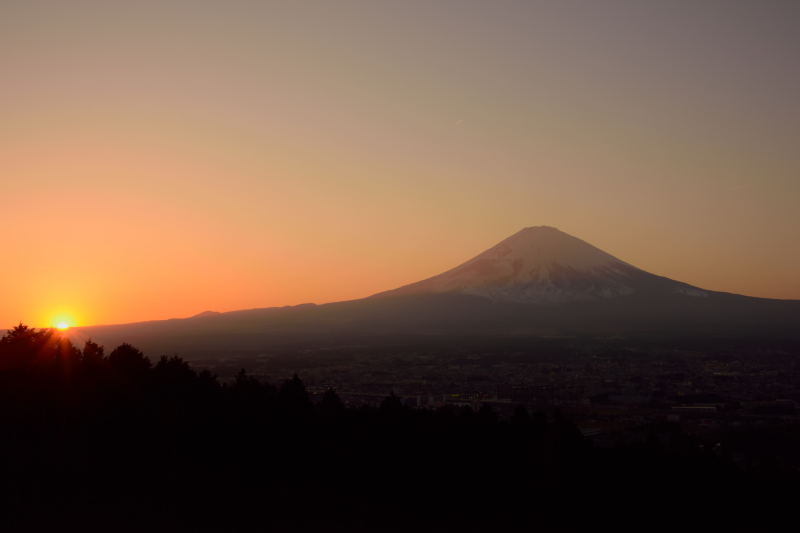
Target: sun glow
62,322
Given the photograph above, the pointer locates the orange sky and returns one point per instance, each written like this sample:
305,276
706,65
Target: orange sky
158,159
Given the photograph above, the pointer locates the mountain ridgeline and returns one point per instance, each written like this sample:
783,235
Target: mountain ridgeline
537,282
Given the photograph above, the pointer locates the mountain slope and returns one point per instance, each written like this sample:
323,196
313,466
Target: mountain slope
543,265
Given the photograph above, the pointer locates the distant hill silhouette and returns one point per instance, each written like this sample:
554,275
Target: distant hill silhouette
539,281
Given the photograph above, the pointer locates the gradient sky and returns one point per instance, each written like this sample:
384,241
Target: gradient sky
161,158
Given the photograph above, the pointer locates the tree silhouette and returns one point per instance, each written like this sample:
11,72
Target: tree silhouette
129,361
391,405
173,371
293,396
330,405
92,354
172,448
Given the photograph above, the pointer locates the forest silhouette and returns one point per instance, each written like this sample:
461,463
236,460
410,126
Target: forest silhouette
91,440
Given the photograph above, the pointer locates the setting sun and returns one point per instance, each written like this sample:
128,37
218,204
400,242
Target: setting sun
62,321
61,317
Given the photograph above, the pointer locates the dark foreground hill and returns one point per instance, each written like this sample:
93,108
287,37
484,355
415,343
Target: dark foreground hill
91,441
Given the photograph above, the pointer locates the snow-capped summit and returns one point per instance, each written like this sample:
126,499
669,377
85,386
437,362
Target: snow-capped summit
541,264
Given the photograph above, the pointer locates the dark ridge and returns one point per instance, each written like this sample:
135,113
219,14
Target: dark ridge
95,442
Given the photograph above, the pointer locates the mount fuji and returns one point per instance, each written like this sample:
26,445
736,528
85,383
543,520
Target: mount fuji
537,282
542,265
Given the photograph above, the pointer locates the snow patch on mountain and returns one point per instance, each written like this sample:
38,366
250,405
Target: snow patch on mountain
541,264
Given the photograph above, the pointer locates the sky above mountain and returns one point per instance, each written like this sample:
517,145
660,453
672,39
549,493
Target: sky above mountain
162,158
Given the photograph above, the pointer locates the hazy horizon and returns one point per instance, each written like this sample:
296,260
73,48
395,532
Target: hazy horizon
467,260
160,159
